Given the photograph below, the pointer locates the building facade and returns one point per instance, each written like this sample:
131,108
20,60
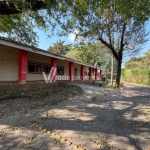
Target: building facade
22,64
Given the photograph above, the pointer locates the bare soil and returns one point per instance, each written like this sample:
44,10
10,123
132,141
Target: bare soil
36,101
99,119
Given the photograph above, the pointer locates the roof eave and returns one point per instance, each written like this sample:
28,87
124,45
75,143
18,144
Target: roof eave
38,51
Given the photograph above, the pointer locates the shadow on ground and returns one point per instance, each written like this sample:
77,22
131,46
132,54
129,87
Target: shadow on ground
104,120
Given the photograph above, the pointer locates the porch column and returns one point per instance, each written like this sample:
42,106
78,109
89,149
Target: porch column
96,74
54,64
90,73
71,69
100,74
82,73
22,66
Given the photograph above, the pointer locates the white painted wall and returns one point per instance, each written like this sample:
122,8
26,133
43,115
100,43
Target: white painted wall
66,69
8,64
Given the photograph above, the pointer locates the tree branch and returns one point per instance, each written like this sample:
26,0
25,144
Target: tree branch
122,41
110,47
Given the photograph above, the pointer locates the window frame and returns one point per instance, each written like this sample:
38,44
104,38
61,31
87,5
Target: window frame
36,63
43,67
63,70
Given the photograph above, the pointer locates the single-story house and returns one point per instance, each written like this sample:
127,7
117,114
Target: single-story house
22,63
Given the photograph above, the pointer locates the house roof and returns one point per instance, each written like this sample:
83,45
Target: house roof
18,45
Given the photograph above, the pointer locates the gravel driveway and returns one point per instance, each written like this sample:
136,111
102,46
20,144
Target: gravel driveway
101,119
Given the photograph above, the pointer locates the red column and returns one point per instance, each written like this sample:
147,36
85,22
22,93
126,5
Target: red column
82,73
100,74
90,73
71,71
96,74
22,66
54,64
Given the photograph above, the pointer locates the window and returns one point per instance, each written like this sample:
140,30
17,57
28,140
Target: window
60,70
34,67
47,68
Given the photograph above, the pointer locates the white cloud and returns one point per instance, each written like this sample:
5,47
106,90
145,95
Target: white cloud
77,38
72,36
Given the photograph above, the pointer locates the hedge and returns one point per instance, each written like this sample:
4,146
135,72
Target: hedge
139,76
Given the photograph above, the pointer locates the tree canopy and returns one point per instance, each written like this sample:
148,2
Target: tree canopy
59,48
48,15
93,53
105,22
142,62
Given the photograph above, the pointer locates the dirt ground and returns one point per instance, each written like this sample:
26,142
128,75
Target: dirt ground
99,119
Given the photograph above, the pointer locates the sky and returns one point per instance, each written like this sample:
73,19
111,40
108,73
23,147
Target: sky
45,42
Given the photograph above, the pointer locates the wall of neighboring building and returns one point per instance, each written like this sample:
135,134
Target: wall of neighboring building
8,64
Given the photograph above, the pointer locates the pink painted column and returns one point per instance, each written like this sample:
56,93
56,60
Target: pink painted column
54,64
96,74
22,66
100,74
90,73
82,73
71,69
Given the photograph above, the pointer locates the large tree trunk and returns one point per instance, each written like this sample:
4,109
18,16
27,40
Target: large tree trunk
118,73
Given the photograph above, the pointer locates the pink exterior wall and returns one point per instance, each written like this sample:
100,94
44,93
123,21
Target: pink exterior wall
22,66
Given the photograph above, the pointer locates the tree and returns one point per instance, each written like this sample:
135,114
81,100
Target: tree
147,60
122,34
47,15
139,62
18,19
8,7
16,27
93,53
59,48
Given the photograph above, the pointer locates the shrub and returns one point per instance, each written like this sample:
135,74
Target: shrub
140,76
100,83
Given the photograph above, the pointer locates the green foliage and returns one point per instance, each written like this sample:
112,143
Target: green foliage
139,62
48,15
90,53
139,76
109,22
59,48
75,54
18,27
68,14
44,92
100,84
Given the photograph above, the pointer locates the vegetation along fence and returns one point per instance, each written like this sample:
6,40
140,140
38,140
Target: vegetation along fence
139,76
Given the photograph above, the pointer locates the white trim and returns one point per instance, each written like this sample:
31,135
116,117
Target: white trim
84,64
21,47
